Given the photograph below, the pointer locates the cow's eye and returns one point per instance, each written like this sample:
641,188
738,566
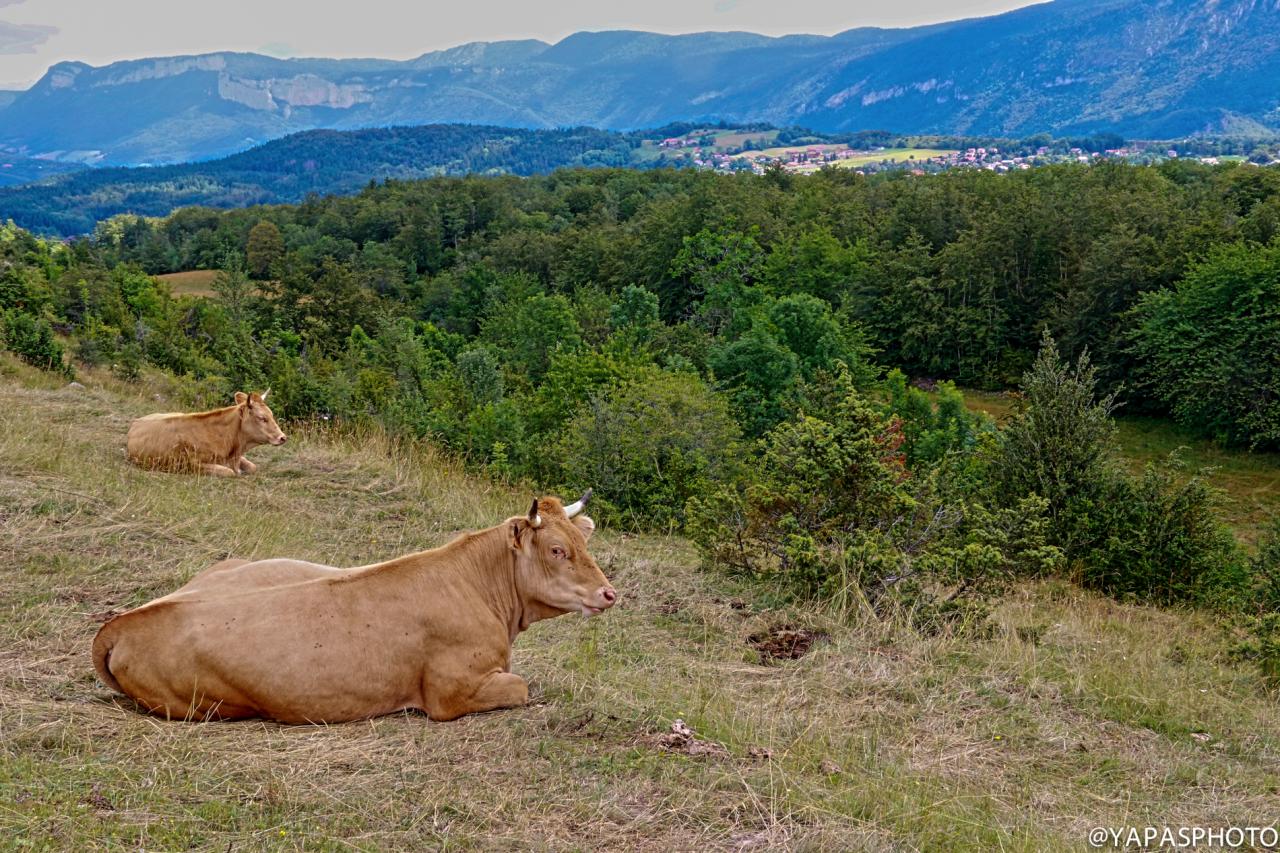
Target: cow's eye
557,552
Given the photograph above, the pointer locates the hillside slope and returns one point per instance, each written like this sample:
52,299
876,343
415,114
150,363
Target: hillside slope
320,161
1075,714
1147,68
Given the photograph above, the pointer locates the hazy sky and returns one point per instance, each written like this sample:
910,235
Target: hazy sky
34,34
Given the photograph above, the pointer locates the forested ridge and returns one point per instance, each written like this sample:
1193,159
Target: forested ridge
733,355
318,161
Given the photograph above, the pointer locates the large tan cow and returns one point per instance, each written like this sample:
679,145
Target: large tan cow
300,642
213,442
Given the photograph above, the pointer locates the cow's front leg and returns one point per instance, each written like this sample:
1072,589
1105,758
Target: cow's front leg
496,690
246,467
215,470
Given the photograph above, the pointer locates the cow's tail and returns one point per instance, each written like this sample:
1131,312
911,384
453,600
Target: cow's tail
102,645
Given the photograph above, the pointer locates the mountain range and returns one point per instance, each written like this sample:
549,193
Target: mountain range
1141,68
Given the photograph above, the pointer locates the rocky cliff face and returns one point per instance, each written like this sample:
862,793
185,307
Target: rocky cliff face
1139,67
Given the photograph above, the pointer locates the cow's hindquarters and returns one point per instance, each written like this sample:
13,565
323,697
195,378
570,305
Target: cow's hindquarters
103,644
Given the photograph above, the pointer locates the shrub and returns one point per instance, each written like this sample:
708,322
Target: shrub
96,344
1060,445
1210,348
128,363
1264,570
1262,647
1158,539
481,373
647,446
832,513
31,339
1260,609
932,430
1152,538
759,374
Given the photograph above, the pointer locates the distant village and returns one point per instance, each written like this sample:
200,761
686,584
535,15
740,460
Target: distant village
701,151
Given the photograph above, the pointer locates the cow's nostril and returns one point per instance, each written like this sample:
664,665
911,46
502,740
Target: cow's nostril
608,594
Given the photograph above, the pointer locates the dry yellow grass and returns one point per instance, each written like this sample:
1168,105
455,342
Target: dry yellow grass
1079,712
190,283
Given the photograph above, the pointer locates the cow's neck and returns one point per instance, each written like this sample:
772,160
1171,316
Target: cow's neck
228,420
477,568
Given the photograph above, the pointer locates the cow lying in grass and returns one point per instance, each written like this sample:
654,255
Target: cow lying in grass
210,442
299,642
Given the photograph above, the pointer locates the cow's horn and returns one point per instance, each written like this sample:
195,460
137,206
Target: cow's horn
577,506
264,395
535,520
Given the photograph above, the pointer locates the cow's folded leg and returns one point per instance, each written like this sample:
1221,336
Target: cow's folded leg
247,467
217,470
497,690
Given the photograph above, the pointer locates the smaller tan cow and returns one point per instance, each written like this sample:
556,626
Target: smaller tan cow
210,442
299,642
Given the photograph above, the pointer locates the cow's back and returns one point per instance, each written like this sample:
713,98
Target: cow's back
234,576
176,440
309,650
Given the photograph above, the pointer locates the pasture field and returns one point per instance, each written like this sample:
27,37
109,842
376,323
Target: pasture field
1076,712
894,155
725,141
191,283
1248,483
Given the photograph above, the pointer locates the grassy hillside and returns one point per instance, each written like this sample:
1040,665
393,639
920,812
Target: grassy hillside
1077,712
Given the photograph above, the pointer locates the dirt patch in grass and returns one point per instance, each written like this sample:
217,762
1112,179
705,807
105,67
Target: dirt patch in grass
784,642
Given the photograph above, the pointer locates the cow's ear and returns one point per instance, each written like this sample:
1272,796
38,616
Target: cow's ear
515,529
241,398
585,524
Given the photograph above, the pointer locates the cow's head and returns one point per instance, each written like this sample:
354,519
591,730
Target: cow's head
256,421
555,573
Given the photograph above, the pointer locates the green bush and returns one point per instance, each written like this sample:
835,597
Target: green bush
832,512
647,446
1157,538
31,339
1210,348
932,430
481,373
128,363
1151,538
760,375
1259,609
1262,647
1264,571
97,342
1059,445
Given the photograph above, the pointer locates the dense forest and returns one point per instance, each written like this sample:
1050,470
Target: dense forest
317,161
67,200
743,357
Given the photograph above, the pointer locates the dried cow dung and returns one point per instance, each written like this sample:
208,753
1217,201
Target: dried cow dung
784,642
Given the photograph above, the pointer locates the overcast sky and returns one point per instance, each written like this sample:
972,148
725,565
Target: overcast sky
34,34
